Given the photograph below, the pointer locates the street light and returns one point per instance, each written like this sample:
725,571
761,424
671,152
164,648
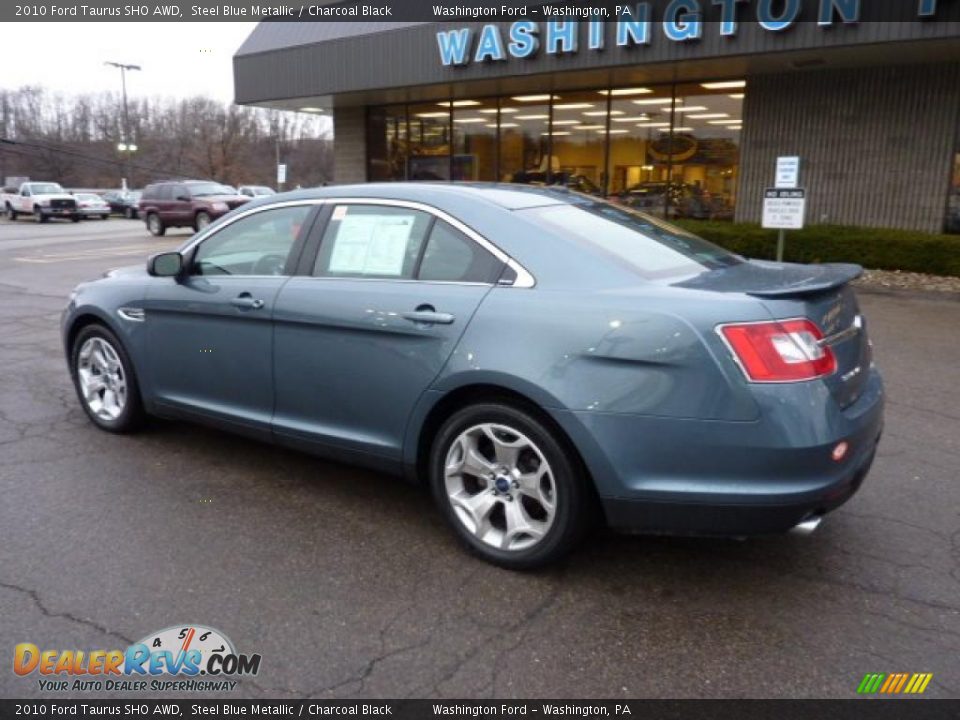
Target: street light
124,146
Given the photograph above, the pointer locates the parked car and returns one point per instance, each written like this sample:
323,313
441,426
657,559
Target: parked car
92,205
530,353
185,203
256,190
571,181
124,202
686,201
41,200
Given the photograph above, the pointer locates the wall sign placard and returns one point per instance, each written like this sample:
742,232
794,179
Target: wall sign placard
783,208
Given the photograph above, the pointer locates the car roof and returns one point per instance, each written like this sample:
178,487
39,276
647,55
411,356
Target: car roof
504,195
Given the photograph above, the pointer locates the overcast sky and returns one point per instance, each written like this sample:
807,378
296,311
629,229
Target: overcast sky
178,59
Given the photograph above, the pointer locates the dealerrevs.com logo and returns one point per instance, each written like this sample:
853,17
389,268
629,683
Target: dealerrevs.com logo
181,658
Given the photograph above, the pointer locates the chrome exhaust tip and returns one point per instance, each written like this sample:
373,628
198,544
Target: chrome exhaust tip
807,526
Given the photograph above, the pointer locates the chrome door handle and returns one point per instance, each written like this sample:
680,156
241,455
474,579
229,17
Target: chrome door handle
246,302
429,317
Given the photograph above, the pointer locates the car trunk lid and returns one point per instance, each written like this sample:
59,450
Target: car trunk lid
821,293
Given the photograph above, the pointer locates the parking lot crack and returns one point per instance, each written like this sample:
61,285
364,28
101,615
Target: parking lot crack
47,612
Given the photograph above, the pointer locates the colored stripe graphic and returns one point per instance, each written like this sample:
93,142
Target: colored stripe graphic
894,683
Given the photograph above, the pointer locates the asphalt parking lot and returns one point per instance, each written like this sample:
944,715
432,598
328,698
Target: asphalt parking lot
349,585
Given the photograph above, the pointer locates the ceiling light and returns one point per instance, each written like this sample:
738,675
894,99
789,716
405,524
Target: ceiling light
566,122
626,91
558,132
488,111
652,101
725,122
461,103
534,98
603,113
503,125
470,120
678,129
572,106
635,118
311,109
690,108
708,116
653,125
614,132
737,96
592,127
532,117
432,115
725,85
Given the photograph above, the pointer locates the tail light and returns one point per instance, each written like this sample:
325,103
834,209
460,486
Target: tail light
780,351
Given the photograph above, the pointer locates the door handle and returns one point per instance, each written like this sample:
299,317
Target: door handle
428,316
245,301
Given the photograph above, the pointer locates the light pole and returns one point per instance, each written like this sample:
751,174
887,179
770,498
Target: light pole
126,144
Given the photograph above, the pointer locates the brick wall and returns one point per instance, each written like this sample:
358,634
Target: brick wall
876,144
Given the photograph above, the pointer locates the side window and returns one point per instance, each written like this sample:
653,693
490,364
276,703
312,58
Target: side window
373,241
453,257
164,192
259,244
178,191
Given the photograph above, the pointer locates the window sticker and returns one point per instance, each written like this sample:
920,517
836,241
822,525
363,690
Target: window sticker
371,244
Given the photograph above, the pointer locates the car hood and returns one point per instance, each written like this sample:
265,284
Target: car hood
762,278
127,271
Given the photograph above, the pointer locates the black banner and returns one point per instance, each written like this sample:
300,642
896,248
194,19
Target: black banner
915,709
706,11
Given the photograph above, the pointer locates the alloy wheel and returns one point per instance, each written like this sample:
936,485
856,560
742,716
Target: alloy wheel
500,486
103,383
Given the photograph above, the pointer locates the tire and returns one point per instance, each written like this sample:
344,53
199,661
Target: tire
97,353
557,508
74,218
38,216
129,214
155,225
201,220
11,213
104,217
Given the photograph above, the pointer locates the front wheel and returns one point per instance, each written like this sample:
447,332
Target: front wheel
508,486
105,381
39,217
202,220
155,225
104,217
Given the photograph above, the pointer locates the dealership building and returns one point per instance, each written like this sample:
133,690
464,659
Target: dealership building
684,107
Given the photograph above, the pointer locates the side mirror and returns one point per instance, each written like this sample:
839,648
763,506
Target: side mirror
168,264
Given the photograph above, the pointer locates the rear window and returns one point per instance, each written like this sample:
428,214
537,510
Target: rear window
653,248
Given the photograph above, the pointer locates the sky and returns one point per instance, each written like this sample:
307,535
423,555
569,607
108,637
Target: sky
179,59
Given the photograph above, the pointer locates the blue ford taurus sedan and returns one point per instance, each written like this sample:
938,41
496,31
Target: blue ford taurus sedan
542,359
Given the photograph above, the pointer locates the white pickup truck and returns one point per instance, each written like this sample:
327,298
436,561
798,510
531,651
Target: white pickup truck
41,200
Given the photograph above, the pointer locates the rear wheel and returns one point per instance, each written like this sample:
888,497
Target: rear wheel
155,225
508,486
105,380
201,221
11,213
75,218
104,217
129,214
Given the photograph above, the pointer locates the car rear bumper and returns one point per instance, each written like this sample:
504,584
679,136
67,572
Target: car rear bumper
684,476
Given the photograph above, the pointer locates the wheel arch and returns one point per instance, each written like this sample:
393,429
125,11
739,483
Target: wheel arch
474,393
84,319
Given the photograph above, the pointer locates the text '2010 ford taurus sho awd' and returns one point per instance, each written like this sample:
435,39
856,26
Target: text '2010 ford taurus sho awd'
541,358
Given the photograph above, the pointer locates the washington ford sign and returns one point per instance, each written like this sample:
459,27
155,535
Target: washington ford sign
624,25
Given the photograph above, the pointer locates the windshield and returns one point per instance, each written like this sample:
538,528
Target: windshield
654,248
45,188
201,189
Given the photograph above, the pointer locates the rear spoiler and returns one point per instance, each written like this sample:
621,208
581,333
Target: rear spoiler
830,277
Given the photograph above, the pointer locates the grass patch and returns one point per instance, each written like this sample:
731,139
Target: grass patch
875,248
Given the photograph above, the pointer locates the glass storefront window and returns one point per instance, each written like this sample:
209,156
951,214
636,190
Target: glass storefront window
387,143
639,162
578,141
953,204
475,141
673,150
429,153
524,139
704,152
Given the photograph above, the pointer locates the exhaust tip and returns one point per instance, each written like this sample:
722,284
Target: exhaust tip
807,526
